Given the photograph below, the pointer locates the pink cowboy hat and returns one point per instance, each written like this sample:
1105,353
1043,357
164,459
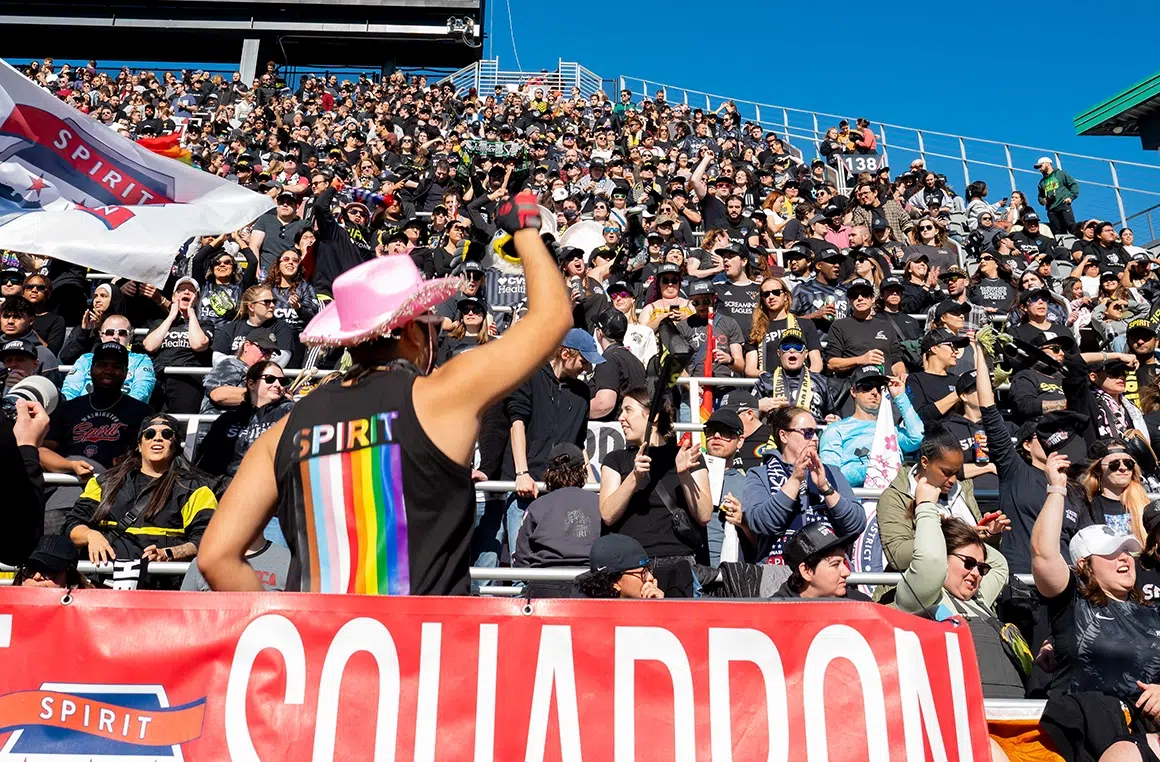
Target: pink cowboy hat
373,299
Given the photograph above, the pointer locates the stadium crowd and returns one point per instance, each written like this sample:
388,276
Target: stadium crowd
1017,352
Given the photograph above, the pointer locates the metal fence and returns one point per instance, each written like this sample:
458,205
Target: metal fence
485,76
1109,189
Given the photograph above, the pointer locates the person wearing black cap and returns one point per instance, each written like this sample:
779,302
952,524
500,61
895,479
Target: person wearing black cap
726,357
889,306
819,562
1038,388
823,298
20,360
274,232
587,292
1031,240
618,567
561,525
225,384
1142,343
932,389
798,262
737,296
863,338
791,382
619,372
468,331
846,444
472,273
965,421
668,303
1099,394
1020,466
340,246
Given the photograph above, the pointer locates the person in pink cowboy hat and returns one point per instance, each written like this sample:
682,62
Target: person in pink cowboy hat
370,477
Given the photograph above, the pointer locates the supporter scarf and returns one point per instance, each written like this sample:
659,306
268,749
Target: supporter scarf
805,391
811,505
1116,417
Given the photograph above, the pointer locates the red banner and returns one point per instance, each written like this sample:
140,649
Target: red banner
205,676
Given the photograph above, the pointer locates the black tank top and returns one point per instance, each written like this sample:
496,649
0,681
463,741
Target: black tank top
367,502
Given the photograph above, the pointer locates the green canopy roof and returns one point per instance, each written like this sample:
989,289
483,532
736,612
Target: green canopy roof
1122,113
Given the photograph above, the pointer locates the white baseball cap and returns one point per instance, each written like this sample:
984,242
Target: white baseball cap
1100,540
1041,161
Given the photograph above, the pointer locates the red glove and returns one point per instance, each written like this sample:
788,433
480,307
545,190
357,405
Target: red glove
518,212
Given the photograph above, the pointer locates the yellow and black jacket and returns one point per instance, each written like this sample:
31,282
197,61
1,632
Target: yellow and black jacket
183,519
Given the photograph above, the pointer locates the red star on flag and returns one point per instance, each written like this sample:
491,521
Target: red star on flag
37,185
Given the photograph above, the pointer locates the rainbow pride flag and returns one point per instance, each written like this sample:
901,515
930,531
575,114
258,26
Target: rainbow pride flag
169,146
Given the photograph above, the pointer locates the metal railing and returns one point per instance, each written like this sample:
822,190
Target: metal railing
485,76
1107,188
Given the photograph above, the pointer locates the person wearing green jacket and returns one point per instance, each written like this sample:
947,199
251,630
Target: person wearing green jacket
954,573
1057,191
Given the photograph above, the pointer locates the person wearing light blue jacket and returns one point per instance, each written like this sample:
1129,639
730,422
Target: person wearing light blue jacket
139,380
847,443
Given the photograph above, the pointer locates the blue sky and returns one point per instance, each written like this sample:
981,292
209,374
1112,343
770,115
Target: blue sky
1017,73
1022,87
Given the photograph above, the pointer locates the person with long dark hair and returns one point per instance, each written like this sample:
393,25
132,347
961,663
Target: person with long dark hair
235,430
295,302
152,505
223,280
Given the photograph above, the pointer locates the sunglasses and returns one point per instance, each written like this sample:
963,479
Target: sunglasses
809,433
271,379
792,346
11,280
706,302
166,433
36,287
970,563
868,387
291,260
262,301
620,294
1122,464
471,310
986,259
670,282
772,292
224,263
926,228
118,332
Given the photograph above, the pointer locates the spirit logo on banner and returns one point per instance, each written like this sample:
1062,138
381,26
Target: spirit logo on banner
79,721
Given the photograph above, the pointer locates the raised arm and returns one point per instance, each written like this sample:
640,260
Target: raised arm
1048,566
450,402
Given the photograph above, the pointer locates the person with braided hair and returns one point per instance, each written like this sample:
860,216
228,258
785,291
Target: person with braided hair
400,434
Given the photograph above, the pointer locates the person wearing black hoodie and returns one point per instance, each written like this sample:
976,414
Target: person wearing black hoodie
340,246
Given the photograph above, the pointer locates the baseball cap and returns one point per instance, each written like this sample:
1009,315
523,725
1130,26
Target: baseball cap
1059,339
20,346
470,266
966,382
700,288
613,323
668,268
1100,540
1029,217
582,342
288,197
1035,293
724,418
189,280
954,271
54,553
1056,429
114,349
568,253
891,281
570,454
811,540
263,339
732,250
559,194
1114,365
1110,274
1152,516
1141,326
790,335
817,219
1041,161
942,336
831,255
616,553
859,284
950,305
868,373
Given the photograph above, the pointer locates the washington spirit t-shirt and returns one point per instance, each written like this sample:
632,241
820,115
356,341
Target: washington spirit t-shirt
97,432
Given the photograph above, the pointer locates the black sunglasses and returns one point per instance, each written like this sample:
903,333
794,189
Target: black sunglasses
165,433
262,301
35,287
270,378
970,563
772,292
9,280
868,387
1123,464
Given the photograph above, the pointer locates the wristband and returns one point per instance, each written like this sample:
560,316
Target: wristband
521,473
1052,490
169,554
829,490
